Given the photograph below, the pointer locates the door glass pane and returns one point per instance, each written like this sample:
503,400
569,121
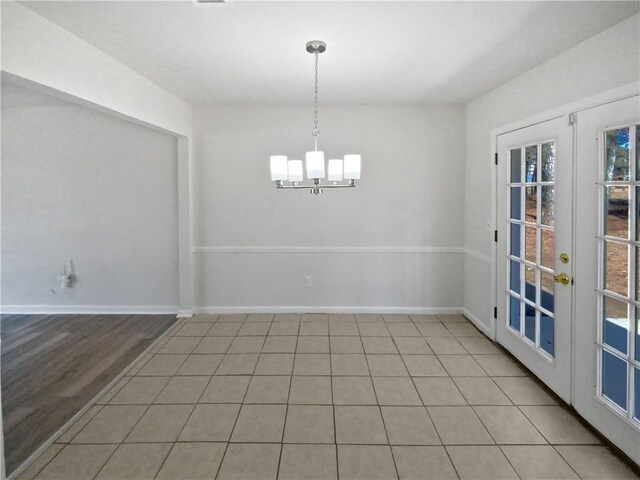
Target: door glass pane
531,166
617,155
515,210
514,276
546,333
616,267
530,322
531,204
546,291
616,219
516,165
514,313
515,240
548,166
530,244
615,328
530,282
548,250
614,379
547,207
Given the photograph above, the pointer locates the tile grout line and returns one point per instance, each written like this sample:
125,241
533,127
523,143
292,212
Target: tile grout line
286,410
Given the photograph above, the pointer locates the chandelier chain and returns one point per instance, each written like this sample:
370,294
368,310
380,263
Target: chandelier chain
316,131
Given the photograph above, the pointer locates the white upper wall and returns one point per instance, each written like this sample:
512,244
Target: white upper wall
39,50
603,62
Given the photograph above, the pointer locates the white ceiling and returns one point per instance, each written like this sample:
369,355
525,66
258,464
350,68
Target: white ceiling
378,52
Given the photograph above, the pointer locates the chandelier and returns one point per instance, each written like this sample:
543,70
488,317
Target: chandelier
291,171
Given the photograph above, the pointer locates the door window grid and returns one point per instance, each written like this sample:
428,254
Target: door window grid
531,172
618,340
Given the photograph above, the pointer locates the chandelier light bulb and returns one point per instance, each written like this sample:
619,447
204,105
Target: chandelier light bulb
279,168
352,166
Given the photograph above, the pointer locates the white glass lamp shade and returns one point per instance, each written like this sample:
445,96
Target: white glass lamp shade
315,164
334,170
295,170
352,167
279,168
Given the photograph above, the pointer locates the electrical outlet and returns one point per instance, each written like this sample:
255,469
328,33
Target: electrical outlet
308,282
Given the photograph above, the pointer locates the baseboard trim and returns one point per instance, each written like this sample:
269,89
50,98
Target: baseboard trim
329,309
88,309
476,321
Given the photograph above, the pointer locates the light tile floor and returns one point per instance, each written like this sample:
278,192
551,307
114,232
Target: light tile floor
326,397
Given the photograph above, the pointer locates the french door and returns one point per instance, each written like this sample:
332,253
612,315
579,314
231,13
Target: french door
534,215
607,290
568,261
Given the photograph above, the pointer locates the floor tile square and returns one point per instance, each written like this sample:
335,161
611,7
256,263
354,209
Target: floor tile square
77,462
161,423
379,345
193,330
387,366
403,330
308,462
280,344
368,317
224,329
341,317
396,318
558,425
315,317
373,329
237,364
260,423
433,330
478,345
360,425
463,330
255,328
213,345
461,366
499,366
424,366
524,391
226,389
481,391
259,317
536,462
365,462
268,389
180,345
310,390
309,424
192,461
313,344
210,423
284,328
111,425
409,426
481,463
275,364
250,462
446,346
312,364
455,318
314,328
459,426
342,327
183,390
396,391
287,317
140,391
423,463
232,318
507,425
412,346
420,319
349,364
79,424
246,344
593,462
353,391
200,365
140,461
346,344
162,365
436,391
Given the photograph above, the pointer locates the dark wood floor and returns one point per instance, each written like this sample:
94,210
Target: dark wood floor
52,365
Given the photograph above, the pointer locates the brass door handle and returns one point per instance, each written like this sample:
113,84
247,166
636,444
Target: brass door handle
562,278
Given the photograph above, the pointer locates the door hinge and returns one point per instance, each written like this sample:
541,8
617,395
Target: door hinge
495,235
495,312
572,118
496,158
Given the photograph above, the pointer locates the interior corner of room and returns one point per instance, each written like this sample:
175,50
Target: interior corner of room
496,200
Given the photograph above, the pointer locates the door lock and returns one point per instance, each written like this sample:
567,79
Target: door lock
564,258
562,278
